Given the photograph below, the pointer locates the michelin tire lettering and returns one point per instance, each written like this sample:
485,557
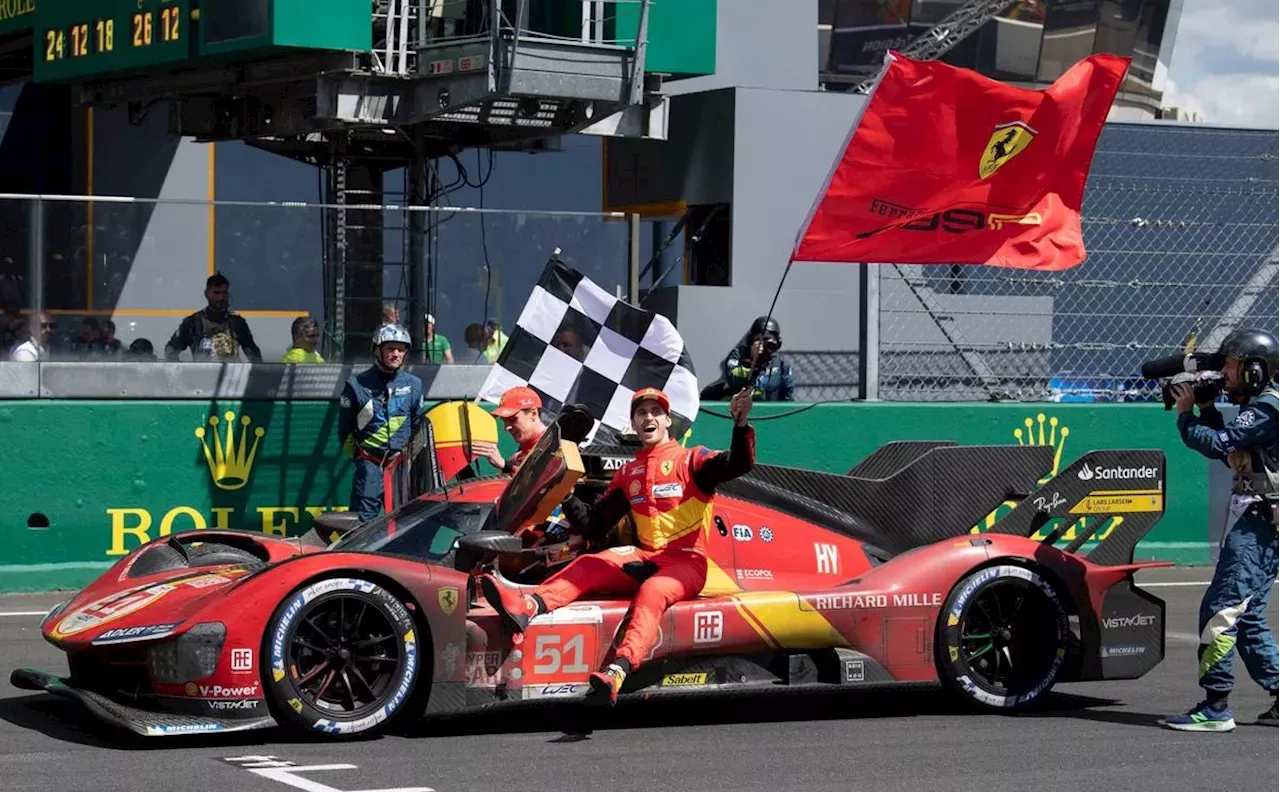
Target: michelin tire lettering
950,637
396,614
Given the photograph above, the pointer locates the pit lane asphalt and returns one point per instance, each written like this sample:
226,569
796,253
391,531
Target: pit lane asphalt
1090,735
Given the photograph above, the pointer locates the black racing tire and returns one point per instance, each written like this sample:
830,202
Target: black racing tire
341,656
1002,638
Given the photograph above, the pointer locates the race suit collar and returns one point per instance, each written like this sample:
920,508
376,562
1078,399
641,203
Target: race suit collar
659,448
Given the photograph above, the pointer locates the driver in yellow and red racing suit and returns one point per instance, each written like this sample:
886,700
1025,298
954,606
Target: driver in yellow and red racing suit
668,489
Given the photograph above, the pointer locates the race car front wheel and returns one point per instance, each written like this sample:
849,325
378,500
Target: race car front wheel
1002,637
343,657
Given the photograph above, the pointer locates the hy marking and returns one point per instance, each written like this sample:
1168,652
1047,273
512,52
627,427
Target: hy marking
283,770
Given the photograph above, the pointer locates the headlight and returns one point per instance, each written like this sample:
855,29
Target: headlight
193,655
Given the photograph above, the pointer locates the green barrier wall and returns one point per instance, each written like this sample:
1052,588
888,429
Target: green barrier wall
84,482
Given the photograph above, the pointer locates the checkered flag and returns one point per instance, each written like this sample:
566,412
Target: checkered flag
575,343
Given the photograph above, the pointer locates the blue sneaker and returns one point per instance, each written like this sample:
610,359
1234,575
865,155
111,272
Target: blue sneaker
1202,718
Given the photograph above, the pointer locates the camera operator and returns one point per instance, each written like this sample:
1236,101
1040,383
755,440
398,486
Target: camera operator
775,382
1236,600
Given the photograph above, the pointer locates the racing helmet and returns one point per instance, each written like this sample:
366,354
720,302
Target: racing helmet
1257,352
390,333
765,325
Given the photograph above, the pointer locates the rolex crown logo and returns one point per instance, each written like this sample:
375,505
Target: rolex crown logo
231,460
1056,438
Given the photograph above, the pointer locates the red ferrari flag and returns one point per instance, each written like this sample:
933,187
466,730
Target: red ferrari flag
946,166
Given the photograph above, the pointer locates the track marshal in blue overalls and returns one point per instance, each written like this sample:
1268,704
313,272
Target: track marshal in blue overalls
1233,613
379,411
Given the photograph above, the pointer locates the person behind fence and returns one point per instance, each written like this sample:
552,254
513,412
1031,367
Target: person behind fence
1233,610
306,336
436,349
775,382
197,330
378,413
35,346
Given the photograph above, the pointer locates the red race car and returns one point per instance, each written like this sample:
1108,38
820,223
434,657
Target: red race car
817,581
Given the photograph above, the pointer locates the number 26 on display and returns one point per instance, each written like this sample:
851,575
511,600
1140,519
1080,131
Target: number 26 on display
143,32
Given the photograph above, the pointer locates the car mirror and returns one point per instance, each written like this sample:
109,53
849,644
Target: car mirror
491,542
333,524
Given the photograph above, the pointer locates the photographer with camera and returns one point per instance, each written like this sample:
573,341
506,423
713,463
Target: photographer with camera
773,381
1236,600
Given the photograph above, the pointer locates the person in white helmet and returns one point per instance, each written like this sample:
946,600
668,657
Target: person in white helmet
436,348
379,411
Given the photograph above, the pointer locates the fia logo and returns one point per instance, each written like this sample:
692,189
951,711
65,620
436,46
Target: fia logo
742,533
828,558
708,627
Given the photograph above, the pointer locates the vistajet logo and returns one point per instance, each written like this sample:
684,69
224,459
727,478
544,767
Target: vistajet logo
1137,620
1112,473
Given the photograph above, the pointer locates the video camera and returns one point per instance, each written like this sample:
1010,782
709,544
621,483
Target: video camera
1202,369
769,346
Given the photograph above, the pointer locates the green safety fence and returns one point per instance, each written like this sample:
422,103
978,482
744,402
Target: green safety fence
87,481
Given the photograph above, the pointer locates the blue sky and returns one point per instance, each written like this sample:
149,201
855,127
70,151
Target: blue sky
1226,61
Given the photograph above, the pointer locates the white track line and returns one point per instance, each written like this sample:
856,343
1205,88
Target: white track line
24,613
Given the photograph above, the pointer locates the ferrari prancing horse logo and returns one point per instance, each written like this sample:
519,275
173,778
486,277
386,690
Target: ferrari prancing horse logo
1006,142
666,467
448,597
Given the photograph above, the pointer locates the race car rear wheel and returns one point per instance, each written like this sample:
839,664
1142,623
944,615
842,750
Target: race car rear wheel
344,657
1002,637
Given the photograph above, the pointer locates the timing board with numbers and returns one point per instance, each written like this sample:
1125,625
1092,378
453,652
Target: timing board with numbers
88,38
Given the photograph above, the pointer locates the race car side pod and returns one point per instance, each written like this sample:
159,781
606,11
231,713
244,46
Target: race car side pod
1112,497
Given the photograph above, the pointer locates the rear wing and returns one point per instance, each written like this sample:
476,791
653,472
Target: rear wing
1111,498
939,494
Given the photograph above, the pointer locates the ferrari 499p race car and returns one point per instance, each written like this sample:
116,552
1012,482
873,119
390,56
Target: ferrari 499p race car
877,577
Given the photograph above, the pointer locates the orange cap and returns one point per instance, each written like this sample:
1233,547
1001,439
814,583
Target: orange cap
517,399
651,393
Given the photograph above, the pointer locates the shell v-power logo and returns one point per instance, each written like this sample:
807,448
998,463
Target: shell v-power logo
230,461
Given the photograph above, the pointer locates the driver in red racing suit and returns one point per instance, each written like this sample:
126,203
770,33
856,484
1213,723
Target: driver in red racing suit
668,489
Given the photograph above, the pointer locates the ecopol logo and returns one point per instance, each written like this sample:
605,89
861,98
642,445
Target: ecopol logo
1105,474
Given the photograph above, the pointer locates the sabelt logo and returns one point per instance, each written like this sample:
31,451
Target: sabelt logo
1136,620
1110,473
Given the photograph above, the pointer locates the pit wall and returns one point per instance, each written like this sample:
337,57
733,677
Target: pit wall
85,481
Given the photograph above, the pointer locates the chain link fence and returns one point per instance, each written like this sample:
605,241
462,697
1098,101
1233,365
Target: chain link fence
1180,225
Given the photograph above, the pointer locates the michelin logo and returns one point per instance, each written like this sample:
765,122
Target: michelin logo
1107,474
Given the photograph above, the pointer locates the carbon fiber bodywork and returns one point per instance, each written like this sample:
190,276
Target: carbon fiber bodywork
892,457
138,721
1097,489
939,495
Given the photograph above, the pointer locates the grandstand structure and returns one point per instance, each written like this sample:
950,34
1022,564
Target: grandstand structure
651,142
